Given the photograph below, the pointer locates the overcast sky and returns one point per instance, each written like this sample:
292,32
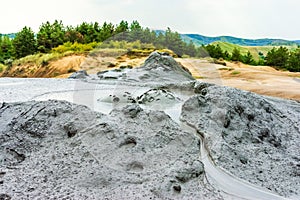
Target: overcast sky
240,18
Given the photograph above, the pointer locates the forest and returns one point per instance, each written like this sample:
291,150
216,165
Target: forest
53,35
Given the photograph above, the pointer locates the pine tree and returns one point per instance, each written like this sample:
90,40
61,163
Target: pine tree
121,31
24,43
236,55
50,36
6,49
136,31
106,32
277,57
293,63
72,35
248,58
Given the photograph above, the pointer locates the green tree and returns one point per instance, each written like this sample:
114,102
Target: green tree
293,63
191,49
148,36
121,31
136,31
50,36
24,43
160,41
72,35
174,42
277,57
202,52
236,55
6,49
226,55
122,27
106,32
89,31
218,52
215,51
248,58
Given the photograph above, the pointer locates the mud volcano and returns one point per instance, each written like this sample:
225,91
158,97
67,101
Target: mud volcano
162,135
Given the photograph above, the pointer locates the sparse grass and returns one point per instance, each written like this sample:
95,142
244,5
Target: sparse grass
167,51
38,59
2,67
41,59
125,45
199,77
107,52
226,68
220,62
75,47
294,75
235,72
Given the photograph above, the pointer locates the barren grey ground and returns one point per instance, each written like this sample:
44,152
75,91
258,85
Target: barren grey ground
253,137
137,148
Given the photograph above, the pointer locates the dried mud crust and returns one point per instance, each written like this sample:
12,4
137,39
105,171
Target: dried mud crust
55,149
253,137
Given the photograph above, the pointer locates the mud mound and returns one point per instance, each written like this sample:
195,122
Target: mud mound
59,150
81,74
158,68
25,126
253,137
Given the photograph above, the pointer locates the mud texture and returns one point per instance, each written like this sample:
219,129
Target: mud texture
55,149
158,68
82,74
59,150
253,137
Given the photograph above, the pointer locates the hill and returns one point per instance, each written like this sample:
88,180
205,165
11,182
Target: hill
254,50
10,35
204,40
200,39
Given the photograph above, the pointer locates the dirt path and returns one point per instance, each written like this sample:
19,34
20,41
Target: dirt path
259,79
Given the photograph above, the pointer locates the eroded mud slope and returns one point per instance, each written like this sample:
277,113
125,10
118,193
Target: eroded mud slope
55,149
254,137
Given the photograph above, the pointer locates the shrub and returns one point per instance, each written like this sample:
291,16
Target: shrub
2,67
38,59
235,72
74,47
220,62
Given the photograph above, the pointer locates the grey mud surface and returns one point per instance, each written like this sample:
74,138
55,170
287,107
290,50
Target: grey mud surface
125,140
254,138
55,149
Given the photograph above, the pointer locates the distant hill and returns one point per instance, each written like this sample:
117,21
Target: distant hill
200,39
254,50
10,35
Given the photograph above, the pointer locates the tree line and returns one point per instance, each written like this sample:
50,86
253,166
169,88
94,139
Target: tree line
52,35
280,58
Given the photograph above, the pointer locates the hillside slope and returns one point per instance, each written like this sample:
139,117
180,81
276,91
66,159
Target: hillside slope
54,68
200,39
254,50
